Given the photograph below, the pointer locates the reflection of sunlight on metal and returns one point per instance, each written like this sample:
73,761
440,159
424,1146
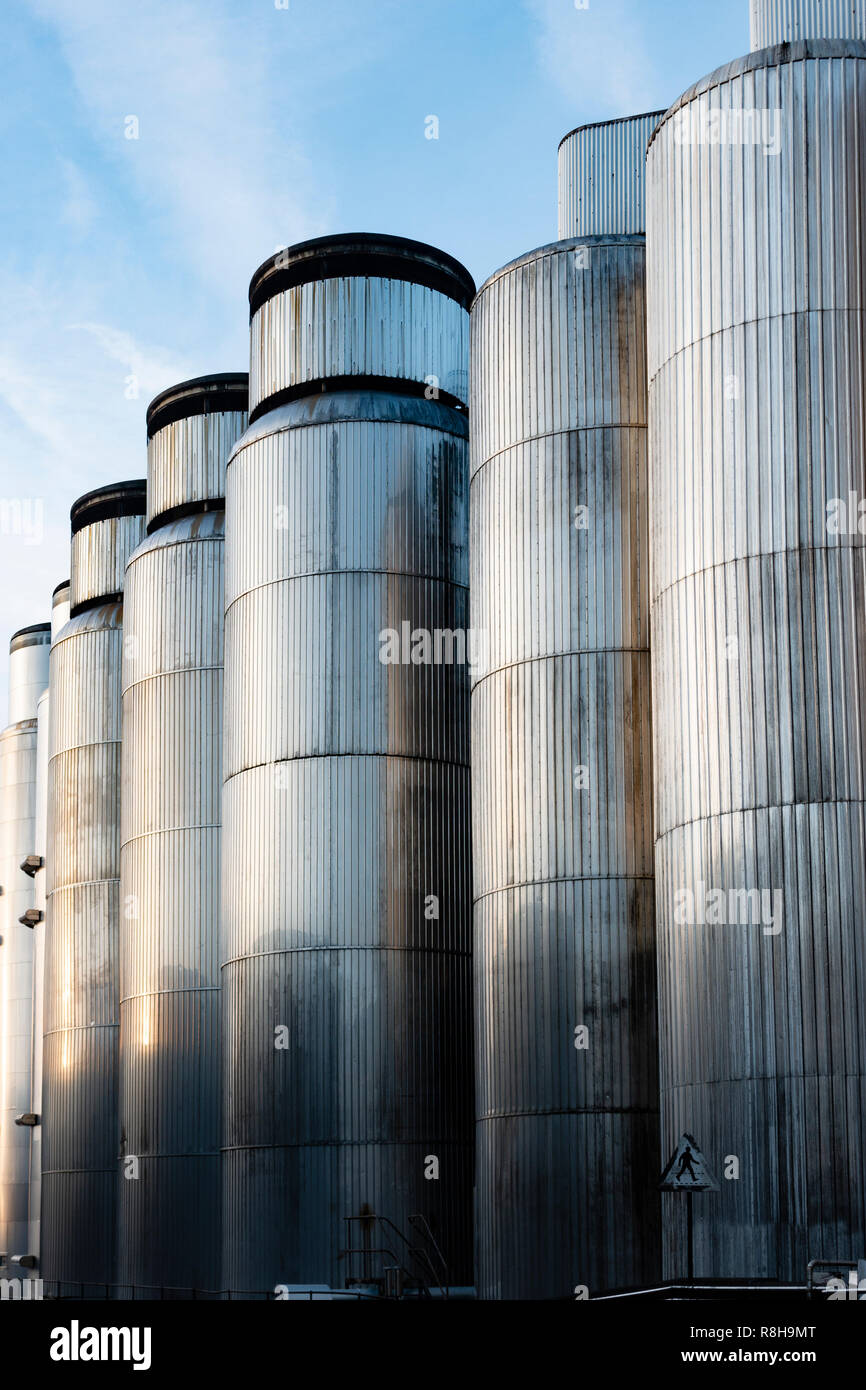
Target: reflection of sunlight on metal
81,1002
346,794
169,1226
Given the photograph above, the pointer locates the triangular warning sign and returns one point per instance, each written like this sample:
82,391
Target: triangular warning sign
687,1170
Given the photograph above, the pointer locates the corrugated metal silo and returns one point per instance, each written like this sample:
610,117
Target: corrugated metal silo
565,1018
169,1225
785,21
81,1131
756,280
28,674
346,890
601,177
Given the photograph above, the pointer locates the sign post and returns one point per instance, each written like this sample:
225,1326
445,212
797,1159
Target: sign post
688,1171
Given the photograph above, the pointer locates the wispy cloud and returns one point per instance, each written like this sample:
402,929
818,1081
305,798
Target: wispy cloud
600,57
78,208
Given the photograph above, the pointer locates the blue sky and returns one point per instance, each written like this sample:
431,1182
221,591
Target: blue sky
124,263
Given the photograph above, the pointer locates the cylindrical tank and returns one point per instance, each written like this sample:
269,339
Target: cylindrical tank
601,177
565,1019
169,1223
28,675
59,618
756,283
81,1131
346,892
784,21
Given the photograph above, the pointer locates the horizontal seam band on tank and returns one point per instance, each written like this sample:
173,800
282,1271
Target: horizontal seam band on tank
83,883
166,675
758,555
567,1110
450,951
77,1028
753,810
447,1142
565,879
184,1153
559,656
551,434
747,323
328,574
773,1078
343,756
73,1172
156,993
243,444
169,830
80,747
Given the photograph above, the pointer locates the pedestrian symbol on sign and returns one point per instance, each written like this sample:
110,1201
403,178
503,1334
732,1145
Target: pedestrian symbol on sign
687,1170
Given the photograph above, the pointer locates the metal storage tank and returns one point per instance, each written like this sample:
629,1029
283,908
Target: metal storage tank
601,177
565,1018
36,867
28,674
756,279
169,1223
81,1131
784,21
346,893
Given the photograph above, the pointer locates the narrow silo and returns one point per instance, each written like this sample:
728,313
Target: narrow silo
169,1224
28,675
346,889
80,1147
756,284
565,1017
35,865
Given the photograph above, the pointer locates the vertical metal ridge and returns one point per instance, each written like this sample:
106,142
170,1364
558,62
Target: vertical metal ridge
562,774
99,555
757,410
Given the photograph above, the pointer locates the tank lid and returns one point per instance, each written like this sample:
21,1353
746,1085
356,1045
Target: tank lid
787,21
60,592
115,499
362,255
37,635
202,395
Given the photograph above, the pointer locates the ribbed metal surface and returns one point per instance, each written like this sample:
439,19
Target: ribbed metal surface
81,1136
346,808
169,1225
601,177
203,442
358,326
28,663
99,558
60,608
566,1158
786,21
757,415
28,672
40,848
